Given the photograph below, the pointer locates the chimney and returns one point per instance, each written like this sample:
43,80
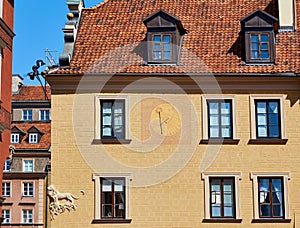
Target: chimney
17,82
287,15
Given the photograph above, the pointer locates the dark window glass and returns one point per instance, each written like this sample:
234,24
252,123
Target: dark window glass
267,119
219,119
113,197
270,197
222,202
113,119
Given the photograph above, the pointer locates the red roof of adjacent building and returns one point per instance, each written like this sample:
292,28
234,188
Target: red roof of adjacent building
31,93
111,33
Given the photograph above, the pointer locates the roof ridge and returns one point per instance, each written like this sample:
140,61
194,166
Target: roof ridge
97,5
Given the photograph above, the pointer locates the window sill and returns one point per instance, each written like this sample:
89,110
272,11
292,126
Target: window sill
271,220
97,221
267,141
221,220
111,141
220,141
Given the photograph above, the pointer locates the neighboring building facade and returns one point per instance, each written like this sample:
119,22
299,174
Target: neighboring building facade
25,172
177,114
6,43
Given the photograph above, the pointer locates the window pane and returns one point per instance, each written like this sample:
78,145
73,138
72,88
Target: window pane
262,119
216,210
167,55
274,131
167,39
225,120
107,211
107,198
254,46
228,185
106,107
167,47
254,54
106,131
156,46
156,38
214,131
254,38
215,184
264,38
213,108
226,132
265,210
214,120
265,46
262,131
265,54
273,107
273,119
228,199
228,211
156,55
119,184
261,107
106,185
225,107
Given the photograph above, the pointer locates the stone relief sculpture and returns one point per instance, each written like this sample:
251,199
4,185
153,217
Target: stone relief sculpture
59,202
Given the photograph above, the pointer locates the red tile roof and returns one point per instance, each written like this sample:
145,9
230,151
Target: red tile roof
45,141
111,33
31,93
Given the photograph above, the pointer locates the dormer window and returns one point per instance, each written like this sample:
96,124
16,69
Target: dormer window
164,38
34,135
16,135
259,37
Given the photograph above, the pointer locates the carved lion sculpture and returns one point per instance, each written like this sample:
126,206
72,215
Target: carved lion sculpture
56,195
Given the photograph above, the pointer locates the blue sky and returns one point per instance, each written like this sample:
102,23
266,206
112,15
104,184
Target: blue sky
38,25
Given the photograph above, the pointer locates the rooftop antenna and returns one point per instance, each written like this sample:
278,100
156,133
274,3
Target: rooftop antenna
49,59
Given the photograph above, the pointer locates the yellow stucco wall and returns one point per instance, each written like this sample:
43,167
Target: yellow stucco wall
166,190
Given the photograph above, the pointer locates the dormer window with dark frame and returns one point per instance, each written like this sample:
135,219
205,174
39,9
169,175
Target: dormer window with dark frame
164,38
258,30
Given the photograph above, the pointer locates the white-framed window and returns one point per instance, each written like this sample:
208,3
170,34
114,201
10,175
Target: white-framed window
221,191
219,117
28,189
33,138
270,195
14,138
6,189
111,196
27,216
45,114
267,116
28,165
27,114
6,167
6,216
112,121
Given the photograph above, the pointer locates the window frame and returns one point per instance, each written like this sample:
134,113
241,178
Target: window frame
27,213
98,218
27,115
33,138
6,216
29,186
14,138
44,113
152,42
98,118
205,117
6,188
254,176
253,120
6,167
207,176
25,165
